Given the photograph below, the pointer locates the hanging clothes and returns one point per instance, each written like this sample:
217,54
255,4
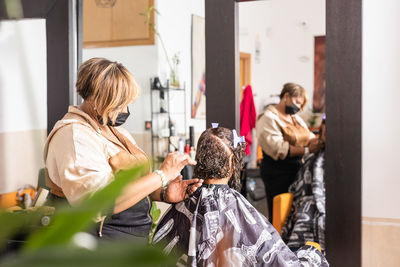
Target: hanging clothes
248,116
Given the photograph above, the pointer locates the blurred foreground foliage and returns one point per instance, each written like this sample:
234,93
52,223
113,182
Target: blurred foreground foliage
56,244
108,254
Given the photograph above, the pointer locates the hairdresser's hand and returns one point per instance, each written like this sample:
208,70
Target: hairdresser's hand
179,189
122,161
314,141
315,145
174,163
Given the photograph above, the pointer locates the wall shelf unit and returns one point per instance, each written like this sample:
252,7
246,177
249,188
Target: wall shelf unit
168,116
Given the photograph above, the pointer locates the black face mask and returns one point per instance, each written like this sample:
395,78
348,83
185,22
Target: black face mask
292,109
121,119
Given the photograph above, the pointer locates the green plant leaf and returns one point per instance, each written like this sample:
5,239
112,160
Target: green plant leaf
69,220
151,8
14,9
16,225
155,212
106,254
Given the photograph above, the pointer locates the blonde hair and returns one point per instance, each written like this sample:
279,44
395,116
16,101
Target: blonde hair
294,90
108,85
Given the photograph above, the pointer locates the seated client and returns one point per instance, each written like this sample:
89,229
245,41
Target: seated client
216,225
306,221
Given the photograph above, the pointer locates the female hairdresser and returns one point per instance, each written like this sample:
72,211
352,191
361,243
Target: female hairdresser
86,148
285,140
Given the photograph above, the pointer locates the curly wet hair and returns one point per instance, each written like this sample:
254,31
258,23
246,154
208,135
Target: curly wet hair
217,158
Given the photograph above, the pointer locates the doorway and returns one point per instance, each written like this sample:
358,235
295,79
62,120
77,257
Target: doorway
245,72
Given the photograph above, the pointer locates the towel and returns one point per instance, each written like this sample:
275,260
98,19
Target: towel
248,116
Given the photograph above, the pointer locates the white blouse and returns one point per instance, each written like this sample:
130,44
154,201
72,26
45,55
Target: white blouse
76,156
269,130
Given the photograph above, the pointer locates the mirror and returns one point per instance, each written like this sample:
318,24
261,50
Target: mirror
281,42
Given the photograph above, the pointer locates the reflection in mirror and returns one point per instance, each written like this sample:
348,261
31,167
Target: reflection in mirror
282,64
23,103
153,39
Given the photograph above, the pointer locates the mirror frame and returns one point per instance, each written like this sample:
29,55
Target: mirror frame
63,45
343,108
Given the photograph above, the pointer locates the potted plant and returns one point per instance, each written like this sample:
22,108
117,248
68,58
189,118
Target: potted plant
175,58
174,70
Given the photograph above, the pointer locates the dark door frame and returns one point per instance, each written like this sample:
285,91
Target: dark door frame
63,43
343,109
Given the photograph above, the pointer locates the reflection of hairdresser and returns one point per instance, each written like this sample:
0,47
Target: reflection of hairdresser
306,221
87,147
284,139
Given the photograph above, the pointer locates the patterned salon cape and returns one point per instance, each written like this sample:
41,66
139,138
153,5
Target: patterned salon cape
306,220
217,226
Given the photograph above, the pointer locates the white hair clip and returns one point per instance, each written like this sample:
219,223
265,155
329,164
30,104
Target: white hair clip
214,124
237,139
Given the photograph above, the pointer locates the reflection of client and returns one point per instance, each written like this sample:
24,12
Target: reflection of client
217,226
201,91
306,221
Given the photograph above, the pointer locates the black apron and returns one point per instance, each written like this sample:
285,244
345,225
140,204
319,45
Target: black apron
278,175
133,223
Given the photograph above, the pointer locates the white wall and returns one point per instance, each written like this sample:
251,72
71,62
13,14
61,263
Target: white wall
380,102
175,25
23,102
286,46
23,75
145,62
142,62
380,131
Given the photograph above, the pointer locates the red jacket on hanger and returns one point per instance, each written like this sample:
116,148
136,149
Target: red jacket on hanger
248,116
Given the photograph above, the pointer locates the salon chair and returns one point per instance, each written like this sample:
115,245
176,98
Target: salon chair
14,204
282,204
